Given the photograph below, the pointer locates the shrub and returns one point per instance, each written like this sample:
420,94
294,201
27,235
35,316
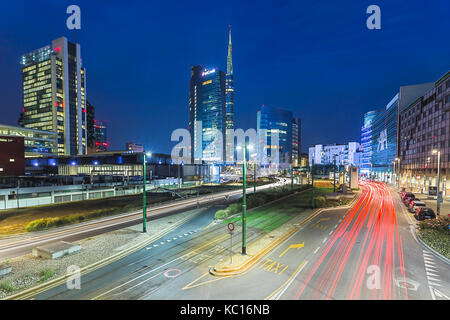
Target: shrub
320,202
437,240
440,224
7,286
221,214
46,274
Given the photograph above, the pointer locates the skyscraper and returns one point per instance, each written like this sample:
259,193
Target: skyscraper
100,136
229,87
211,108
207,113
54,94
296,141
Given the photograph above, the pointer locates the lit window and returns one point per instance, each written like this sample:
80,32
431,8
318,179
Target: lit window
11,160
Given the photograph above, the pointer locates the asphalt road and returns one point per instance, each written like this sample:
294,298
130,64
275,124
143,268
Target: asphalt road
366,252
23,244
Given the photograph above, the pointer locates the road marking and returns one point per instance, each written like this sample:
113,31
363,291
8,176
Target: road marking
315,251
292,246
325,239
148,248
277,293
155,245
331,232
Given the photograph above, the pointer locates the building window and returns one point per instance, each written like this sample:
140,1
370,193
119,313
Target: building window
11,160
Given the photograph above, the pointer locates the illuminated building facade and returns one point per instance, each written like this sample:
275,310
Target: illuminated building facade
424,126
90,121
379,135
296,141
207,113
54,94
271,121
37,143
100,136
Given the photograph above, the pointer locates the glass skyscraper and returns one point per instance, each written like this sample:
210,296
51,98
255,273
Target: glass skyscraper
271,121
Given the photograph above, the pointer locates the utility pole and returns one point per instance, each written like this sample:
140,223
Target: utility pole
144,193
244,203
254,179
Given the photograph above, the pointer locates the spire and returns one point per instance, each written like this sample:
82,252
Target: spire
229,57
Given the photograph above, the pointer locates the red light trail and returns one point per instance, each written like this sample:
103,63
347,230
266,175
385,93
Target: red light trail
371,222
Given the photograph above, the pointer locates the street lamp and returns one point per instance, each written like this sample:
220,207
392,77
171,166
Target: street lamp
312,182
144,202
438,205
244,198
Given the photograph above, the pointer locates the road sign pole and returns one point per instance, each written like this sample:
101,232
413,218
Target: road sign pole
438,205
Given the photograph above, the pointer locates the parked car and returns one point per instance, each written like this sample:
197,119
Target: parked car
424,213
407,194
416,203
408,199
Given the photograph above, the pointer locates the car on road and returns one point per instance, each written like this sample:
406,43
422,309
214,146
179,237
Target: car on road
416,203
424,213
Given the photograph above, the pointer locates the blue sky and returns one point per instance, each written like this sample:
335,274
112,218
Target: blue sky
316,58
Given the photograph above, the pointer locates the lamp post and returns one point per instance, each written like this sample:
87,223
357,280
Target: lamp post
397,172
334,174
254,179
144,201
244,198
292,177
438,205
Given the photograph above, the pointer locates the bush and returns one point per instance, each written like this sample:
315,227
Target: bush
436,239
221,214
440,224
320,202
7,286
46,274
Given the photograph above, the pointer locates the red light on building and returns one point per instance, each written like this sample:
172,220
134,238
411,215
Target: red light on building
57,49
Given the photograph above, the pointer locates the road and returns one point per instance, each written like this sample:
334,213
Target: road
366,252
23,244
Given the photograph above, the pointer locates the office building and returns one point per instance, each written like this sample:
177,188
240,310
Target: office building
90,122
100,136
380,131
343,154
273,122
207,113
296,141
37,143
54,94
424,126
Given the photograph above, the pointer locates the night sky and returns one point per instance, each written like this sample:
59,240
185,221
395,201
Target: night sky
316,58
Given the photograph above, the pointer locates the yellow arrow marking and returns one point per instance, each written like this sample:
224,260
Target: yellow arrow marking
297,246
323,219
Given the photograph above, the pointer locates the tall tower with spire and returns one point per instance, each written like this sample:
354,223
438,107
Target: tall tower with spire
229,95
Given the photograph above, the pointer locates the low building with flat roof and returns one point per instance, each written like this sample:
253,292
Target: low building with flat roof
37,143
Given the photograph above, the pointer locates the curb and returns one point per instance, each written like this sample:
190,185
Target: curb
226,271
230,271
96,265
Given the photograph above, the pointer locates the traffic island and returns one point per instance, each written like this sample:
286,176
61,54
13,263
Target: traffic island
239,263
56,250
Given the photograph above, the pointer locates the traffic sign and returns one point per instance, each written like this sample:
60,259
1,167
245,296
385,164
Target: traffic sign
230,226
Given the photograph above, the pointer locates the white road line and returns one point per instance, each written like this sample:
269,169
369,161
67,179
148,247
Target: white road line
162,242
315,251
279,294
331,232
155,245
125,283
325,239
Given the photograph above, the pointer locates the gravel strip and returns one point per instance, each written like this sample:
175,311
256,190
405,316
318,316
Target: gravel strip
29,271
